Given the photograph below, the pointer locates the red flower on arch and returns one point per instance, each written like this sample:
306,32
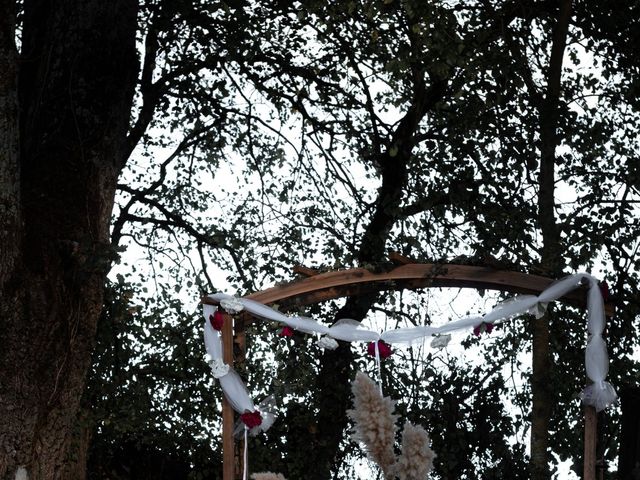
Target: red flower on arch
217,320
251,419
286,332
384,349
482,328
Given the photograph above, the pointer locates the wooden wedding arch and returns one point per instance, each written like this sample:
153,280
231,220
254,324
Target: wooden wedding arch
318,287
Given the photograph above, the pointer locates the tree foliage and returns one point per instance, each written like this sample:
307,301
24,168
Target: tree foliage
329,133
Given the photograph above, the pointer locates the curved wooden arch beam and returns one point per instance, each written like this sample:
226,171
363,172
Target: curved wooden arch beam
414,276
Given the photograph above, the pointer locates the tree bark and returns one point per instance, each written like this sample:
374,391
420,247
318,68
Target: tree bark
9,176
551,258
10,222
74,93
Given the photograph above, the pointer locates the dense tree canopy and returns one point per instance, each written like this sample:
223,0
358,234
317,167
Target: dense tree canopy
267,134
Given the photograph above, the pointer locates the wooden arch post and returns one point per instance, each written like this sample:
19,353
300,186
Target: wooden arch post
320,287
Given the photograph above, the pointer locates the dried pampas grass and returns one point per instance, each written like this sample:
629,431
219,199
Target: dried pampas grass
374,422
267,476
374,426
416,459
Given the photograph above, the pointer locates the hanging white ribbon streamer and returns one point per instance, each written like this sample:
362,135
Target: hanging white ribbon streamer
376,347
232,385
600,394
245,467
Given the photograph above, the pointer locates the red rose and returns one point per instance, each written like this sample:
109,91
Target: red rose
286,332
384,349
251,419
483,327
217,320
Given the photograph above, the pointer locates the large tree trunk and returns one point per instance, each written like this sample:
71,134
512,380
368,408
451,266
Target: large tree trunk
75,86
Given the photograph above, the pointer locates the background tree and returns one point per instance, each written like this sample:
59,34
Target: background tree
472,177
65,106
327,133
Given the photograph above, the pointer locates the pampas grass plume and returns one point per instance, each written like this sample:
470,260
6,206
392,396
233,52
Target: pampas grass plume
267,476
374,422
416,459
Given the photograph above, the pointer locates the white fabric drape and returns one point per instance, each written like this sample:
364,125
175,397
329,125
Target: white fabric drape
600,394
232,385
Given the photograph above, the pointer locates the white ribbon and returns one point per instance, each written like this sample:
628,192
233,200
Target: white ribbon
376,348
600,394
245,467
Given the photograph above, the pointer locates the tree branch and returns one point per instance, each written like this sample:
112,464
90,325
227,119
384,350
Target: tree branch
551,257
149,91
174,220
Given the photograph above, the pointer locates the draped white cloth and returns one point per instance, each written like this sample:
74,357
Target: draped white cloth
599,394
